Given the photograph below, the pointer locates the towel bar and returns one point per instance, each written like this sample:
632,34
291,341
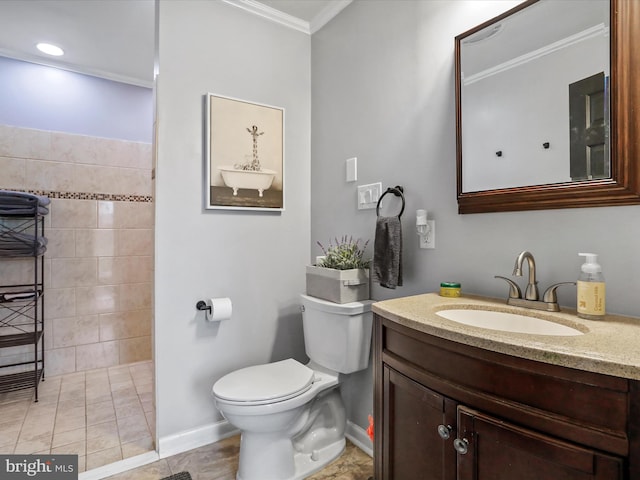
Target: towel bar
398,191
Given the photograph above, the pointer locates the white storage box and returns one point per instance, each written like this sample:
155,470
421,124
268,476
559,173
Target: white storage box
338,286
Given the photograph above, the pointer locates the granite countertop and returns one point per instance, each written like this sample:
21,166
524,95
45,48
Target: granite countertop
610,346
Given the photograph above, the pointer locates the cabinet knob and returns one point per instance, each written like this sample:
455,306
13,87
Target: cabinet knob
444,431
461,446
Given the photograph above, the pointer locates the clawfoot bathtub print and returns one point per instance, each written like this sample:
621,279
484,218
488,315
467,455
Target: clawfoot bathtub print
253,180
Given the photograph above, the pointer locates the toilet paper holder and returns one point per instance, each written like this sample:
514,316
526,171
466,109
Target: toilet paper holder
202,306
216,309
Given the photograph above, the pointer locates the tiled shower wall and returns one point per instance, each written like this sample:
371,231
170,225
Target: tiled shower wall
98,264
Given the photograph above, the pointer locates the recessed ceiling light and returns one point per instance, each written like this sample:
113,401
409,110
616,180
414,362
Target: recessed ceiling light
484,34
50,49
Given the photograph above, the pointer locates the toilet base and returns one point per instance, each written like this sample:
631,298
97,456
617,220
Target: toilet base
308,464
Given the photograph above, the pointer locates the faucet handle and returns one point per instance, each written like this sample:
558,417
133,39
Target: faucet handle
550,293
514,289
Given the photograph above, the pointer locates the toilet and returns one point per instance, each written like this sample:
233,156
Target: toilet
291,416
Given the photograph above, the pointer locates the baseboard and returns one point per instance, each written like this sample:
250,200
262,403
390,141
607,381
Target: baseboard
167,446
359,438
197,437
119,467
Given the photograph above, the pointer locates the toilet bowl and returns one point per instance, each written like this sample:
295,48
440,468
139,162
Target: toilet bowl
291,416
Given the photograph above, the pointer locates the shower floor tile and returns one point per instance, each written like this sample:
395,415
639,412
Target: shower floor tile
103,416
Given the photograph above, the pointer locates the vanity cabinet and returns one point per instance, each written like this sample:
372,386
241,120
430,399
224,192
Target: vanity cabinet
490,448
415,417
445,410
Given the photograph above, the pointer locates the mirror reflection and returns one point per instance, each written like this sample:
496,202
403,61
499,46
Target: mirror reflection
535,97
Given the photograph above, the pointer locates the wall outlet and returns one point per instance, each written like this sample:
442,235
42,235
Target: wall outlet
368,195
430,241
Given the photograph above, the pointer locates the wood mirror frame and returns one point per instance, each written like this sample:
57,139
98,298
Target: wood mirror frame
623,188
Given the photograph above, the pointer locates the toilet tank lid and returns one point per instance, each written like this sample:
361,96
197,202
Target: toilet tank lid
265,383
352,308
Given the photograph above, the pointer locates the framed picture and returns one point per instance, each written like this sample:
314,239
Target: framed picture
245,155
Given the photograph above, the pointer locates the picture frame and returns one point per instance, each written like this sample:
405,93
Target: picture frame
244,155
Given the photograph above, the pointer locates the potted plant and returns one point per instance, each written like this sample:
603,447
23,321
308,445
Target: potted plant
342,274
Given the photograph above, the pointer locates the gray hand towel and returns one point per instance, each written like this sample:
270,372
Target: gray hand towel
387,252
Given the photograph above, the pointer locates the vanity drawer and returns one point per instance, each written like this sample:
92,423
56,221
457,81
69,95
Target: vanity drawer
588,408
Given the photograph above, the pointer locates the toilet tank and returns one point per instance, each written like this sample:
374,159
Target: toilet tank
337,335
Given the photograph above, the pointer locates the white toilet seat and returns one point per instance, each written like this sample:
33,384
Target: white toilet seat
319,381
264,384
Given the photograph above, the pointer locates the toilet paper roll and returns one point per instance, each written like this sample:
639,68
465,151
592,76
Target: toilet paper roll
220,309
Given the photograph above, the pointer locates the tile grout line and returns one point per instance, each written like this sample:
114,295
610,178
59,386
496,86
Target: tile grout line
137,374
55,416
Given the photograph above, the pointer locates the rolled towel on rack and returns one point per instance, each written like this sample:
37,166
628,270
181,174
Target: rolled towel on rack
22,210
18,296
22,198
23,203
22,244
387,252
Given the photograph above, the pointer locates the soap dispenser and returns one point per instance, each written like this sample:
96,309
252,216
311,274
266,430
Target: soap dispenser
591,289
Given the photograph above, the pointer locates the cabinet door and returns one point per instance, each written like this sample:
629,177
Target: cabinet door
415,422
496,450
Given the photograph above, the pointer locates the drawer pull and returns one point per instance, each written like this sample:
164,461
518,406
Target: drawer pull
444,431
461,446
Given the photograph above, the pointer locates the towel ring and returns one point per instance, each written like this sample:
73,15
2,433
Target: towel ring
398,192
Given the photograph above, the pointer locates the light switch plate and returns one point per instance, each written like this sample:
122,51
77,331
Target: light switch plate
352,169
368,195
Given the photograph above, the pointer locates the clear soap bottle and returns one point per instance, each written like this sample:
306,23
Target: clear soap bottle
591,289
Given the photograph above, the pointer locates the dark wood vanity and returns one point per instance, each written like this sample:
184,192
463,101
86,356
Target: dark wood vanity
447,410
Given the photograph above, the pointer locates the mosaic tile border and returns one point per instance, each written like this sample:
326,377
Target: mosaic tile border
113,197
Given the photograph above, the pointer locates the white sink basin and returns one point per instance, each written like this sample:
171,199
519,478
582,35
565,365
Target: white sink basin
507,322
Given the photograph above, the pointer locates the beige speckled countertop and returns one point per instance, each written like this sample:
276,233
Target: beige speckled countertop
610,346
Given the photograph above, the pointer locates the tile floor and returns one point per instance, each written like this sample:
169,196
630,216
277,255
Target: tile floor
103,416
220,462
106,415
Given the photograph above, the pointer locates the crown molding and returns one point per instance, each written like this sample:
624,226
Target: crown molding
330,11
271,14
595,31
94,72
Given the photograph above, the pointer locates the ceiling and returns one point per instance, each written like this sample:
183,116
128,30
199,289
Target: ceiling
535,30
114,39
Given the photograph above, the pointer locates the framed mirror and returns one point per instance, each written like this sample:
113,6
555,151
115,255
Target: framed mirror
548,107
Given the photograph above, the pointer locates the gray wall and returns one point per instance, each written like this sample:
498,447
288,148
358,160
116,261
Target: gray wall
383,90
493,120
255,258
46,98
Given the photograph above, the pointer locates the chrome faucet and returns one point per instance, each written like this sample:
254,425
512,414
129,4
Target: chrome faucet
531,293
531,298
